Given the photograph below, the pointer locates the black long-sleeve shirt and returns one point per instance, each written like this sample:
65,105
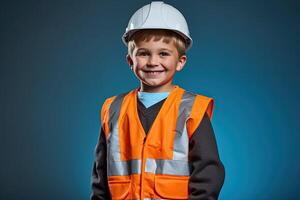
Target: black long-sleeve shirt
207,171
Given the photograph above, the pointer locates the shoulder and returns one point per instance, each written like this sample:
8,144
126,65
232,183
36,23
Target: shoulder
199,99
198,95
113,100
106,111
202,106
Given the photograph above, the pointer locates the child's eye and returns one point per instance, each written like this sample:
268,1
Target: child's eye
142,53
164,53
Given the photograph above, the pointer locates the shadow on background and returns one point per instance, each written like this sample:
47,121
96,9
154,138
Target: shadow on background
61,59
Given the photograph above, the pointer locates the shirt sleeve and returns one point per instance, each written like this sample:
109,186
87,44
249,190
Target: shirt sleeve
207,170
99,184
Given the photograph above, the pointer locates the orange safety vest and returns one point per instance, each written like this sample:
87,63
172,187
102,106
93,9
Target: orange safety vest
152,166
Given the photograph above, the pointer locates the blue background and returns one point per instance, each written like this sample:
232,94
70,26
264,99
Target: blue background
61,59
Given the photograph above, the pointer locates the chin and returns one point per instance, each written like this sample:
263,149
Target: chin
154,84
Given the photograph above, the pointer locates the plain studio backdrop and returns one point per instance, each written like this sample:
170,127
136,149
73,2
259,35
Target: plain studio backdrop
61,59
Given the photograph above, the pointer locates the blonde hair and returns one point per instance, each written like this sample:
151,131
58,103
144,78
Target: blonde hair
167,35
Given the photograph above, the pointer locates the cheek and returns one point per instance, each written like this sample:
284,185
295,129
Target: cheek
171,64
140,61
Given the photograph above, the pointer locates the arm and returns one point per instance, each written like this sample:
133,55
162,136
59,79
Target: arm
99,184
207,171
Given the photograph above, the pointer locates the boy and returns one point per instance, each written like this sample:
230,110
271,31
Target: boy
157,141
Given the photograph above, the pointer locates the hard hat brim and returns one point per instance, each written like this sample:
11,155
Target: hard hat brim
127,36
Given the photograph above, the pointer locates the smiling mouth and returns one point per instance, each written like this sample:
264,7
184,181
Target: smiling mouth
153,72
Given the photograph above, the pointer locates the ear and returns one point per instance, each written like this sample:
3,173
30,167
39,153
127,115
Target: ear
181,62
129,60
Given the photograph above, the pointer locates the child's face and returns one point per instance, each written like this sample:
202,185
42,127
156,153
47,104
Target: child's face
155,63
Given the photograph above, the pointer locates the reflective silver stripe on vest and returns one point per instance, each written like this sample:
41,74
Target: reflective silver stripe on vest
114,164
181,141
113,144
171,167
123,168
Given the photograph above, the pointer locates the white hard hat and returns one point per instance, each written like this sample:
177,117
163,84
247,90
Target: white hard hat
158,15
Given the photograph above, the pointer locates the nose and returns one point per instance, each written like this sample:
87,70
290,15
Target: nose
153,60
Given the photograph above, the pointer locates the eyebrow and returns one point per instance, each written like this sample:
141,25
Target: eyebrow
161,49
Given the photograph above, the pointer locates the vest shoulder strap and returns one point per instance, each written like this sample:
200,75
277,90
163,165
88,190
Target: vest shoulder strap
201,105
110,111
104,113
